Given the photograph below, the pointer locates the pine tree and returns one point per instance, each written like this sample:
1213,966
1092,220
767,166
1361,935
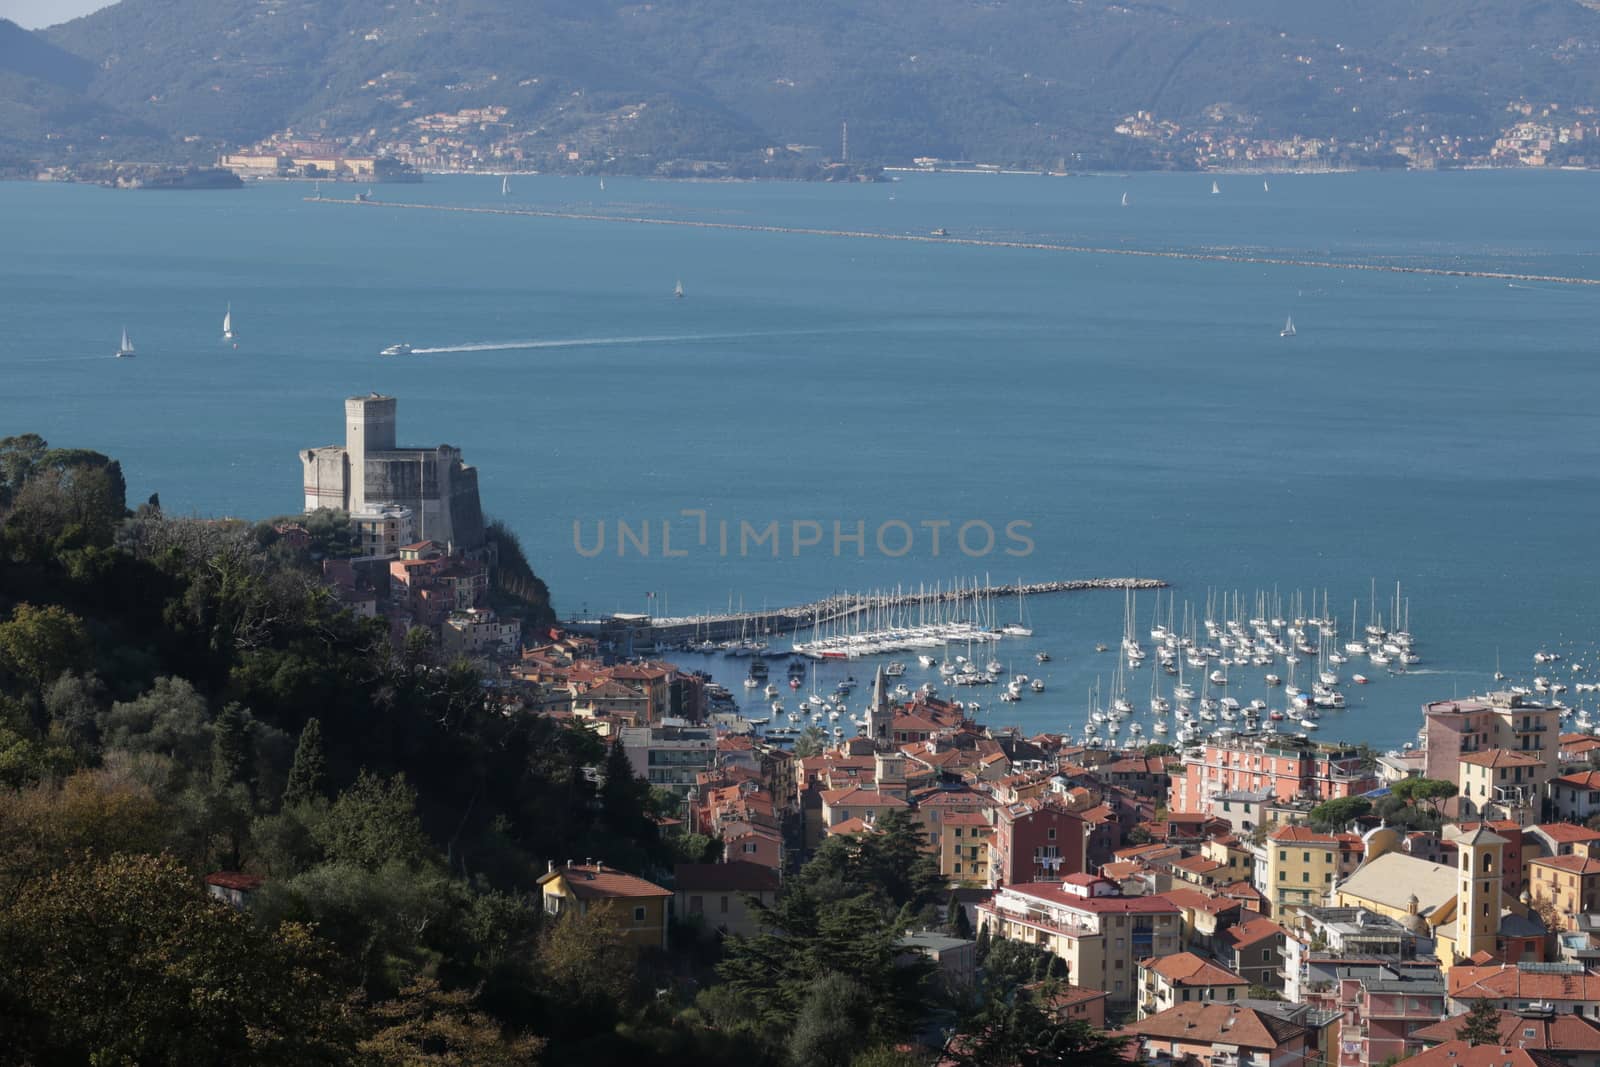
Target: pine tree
1481,1024
955,919
232,752
306,776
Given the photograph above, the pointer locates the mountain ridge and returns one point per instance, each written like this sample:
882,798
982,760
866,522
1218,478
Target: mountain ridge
1022,81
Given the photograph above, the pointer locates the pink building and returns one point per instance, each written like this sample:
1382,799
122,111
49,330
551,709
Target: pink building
1284,768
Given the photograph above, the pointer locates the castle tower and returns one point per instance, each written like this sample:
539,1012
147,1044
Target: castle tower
880,717
369,428
1478,901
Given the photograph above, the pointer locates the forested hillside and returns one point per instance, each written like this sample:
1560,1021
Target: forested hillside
1009,80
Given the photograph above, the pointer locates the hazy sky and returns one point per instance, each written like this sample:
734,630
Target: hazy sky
33,14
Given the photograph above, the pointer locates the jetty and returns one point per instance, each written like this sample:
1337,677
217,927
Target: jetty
835,612
942,238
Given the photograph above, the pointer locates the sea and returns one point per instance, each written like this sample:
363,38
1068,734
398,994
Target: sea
1048,414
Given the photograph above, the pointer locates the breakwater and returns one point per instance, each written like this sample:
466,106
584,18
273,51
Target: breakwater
980,242
833,610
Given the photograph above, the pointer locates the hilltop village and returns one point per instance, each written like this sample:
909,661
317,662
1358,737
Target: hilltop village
1237,901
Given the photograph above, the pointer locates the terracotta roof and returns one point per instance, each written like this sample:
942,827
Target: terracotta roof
244,883
1202,1023
1199,901
1084,879
857,795
1579,865
1566,832
1504,983
1501,757
1185,968
597,882
1052,892
964,818
850,826
1461,1054
1302,835
1565,1031
1249,933
1073,995
740,877
1581,779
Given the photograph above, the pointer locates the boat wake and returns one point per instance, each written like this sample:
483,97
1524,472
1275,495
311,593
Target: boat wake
588,342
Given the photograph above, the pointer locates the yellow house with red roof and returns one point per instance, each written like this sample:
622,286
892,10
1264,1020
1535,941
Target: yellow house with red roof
637,906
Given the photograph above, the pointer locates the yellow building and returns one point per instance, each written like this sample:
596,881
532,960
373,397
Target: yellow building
638,907
1570,883
1502,784
1301,868
964,847
1476,924
1084,920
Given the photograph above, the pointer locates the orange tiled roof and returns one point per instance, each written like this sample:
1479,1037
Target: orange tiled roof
598,882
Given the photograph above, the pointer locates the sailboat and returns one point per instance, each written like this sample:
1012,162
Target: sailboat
602,185
1265,188
1288,327
505,185
1124,199
227,324
677,290
125,350
1214,189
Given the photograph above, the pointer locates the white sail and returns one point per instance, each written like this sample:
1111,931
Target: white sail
505,185
1265,188
126,348
1124,199
1288,327
227,323
677,290
1214,189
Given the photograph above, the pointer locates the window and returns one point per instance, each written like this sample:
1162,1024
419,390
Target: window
1051,834
958,868
958,831
638,914
724,905
697,905
1283,855
1305,876
1283,876
552,905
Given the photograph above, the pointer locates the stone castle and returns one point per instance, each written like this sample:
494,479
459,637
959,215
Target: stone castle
369,476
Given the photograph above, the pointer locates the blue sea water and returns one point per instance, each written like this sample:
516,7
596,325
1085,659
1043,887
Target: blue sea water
1142,416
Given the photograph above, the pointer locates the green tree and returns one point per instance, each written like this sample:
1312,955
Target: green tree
232,752
1431,791
1339,813
308,774
810,742
1481,1024
832,1024
39,643
590,965
1015,1028
625,797
955,919
374,823
126,960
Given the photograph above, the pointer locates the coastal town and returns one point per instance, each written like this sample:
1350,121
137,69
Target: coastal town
1237,900
489,139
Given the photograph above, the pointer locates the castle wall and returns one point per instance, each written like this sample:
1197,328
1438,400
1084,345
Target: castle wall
326,478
